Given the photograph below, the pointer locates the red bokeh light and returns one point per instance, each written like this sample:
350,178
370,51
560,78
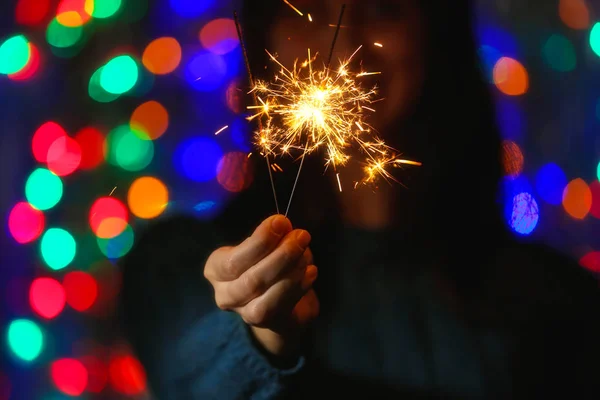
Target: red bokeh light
97,373
44,137
127,375
108,217
72,13
47,297
235,172
591,261
595,189
25,223
31,12
91,142
64,156
69,376
33,64
81,290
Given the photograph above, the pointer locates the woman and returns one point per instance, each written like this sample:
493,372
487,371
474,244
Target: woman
420,291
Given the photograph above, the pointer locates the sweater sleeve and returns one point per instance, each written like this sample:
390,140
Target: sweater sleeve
189,348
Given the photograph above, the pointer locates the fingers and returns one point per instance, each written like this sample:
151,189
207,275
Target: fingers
231,263
290,255
277,303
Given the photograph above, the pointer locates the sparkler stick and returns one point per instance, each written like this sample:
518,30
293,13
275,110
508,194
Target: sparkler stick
335,36
251,79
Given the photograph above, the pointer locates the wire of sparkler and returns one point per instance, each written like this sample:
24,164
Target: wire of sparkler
251,79
335,36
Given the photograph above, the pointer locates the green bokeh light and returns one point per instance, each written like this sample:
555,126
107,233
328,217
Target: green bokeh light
62,36
119,75
132,151
118,246
595,38
559,53
43,189
105,8
25,339
598,171
96,91
14,54
58,248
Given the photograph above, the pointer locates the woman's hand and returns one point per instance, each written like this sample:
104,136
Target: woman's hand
267,280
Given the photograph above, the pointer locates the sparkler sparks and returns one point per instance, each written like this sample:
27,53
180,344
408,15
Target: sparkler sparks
306,110
222,129
293,8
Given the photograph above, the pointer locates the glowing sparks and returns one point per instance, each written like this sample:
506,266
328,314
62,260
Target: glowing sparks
338,179
222,129
306,109
309,18
112,191
377,44
293,8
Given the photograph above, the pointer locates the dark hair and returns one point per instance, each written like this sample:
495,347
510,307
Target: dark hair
453,131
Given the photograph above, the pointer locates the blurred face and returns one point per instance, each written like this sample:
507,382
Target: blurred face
395,24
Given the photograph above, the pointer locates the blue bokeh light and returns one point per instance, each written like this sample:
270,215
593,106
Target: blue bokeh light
498,39
550,183
206,71
197,158
510,118
525,214
489,57
191,8
240,134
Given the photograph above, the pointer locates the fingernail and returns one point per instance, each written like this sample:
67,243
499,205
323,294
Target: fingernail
280,225
303,238
311,273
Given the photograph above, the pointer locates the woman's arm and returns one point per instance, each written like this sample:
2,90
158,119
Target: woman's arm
189,347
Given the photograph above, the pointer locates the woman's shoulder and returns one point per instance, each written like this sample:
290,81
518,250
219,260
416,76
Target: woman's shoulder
535,277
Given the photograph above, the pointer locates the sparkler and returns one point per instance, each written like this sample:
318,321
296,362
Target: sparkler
306,109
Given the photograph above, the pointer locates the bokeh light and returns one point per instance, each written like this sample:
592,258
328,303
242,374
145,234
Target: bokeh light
595,38
148,197
162,55
489,57
234,172
151,118
61,36
127,376
105,8
81,290
233,97
32,66
31,12
510,77
525,214
43,138
512,158
119,75
43,189
69,376
91,143
74,13
58,248
219,36
97,373
117,246
108,217
191,8
574,14
47,297
559,53
595,208
129,150
198,158
64,156
577,199
96,91
25,339
206,71
550,183
14,54
591,261
25,223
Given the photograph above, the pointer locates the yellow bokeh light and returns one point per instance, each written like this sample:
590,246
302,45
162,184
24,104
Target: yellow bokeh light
148,197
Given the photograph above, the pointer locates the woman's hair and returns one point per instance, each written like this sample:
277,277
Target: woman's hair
453,132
